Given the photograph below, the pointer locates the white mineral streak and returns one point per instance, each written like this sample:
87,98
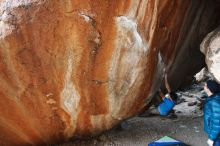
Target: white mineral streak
86,17
9,18
125,69
70,96
16,3
5,27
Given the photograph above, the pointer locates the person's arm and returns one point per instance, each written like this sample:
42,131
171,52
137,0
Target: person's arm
167,84
214,122
207,117
161,94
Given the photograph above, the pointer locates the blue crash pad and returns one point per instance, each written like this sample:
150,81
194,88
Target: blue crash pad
167,141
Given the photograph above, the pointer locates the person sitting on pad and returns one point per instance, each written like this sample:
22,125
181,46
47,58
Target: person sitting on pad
212,112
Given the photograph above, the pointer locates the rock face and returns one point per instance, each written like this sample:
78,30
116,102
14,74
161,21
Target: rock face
211,48
203,75
74,68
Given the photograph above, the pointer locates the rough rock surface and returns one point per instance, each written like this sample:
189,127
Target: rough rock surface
74,68
203,75
211,48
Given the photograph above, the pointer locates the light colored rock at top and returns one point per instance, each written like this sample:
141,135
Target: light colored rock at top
211,49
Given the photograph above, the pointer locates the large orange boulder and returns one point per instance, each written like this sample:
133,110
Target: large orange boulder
75,68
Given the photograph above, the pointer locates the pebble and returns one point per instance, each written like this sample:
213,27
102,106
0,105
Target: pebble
182,126
192,103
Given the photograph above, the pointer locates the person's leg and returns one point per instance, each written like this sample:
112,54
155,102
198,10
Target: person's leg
217,142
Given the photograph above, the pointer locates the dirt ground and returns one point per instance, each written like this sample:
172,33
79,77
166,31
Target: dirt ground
139,131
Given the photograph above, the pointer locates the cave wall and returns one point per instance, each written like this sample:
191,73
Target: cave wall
71,69
202,19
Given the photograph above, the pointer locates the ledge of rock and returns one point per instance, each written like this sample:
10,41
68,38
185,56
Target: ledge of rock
211,48
71,69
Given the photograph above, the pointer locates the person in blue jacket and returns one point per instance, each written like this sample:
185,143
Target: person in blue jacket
169,101
212,113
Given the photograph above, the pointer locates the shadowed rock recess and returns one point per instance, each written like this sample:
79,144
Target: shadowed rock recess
75,68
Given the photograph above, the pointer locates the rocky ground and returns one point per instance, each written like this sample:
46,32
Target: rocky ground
139,131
